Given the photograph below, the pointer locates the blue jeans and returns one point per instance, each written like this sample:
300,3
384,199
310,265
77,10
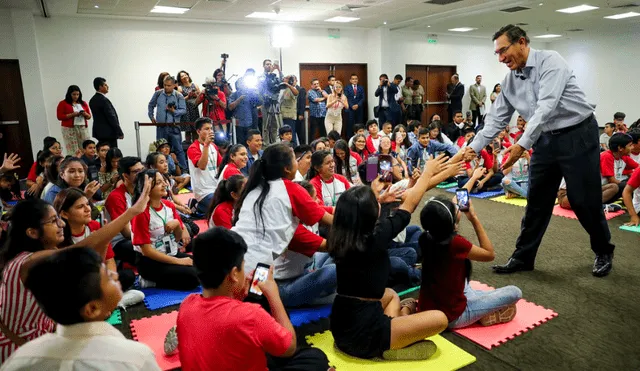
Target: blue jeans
411,240
292,125
519,188
402,260
316,286
482,303
204,204
174,137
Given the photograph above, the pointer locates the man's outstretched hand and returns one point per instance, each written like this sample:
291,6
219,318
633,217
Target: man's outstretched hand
514,155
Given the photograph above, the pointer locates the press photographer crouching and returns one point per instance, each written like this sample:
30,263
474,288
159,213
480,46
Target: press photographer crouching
269,86
214,102
244,104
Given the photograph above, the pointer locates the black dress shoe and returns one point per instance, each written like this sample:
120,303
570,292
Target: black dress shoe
602,265
513,265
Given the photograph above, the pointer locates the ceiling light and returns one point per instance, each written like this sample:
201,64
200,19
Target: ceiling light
385,22
547,36
262,15
169,10
623,15
541,4
341,19
577,9
428,26
462,29
95,6
281,36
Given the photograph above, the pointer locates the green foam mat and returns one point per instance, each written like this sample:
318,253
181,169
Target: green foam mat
115,318
447,185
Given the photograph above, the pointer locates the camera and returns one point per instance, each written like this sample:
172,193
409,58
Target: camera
211,89
385,82
171,105
224,55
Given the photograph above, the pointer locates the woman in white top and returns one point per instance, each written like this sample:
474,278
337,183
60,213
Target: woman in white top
336,102
73,112
346,165
435,133
322,175
496,91
400,142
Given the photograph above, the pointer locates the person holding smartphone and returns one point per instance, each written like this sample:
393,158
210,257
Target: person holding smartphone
204,160
447,260
336,102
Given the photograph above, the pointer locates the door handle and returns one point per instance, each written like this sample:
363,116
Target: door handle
428,103
9,122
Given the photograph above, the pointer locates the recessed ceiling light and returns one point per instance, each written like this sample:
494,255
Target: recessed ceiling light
428,26
541,4
547,36
169,9
385,22
462,29
95,6
262,15
342,19
577,9
623,15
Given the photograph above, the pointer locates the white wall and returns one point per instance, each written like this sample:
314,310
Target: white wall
608,69
7,41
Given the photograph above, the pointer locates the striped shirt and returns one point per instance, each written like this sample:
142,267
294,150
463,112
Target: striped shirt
18,308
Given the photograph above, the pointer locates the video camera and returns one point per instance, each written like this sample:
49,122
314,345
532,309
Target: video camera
210,88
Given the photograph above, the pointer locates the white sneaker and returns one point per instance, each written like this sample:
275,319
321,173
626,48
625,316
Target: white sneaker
171,342
130,298
145,284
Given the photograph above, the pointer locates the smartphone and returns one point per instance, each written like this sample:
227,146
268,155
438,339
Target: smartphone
384,168
463,199
409,167
372,168
259,275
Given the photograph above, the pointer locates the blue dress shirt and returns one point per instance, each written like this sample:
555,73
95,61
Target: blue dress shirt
161,99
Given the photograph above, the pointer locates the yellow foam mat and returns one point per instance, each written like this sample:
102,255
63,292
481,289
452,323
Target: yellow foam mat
522,202
448,357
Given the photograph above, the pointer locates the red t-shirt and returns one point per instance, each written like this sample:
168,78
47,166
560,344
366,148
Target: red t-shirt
328,193
92,227
357,157
229,170
32,172
609,166
634,181
222,333
447,292
118,201
487,161
222,215
142,224
218,112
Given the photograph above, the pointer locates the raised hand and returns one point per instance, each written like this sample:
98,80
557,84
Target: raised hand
142,202
435,165
91,188
9,163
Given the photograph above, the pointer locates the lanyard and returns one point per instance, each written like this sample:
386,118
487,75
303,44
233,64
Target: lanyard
164,220
333,195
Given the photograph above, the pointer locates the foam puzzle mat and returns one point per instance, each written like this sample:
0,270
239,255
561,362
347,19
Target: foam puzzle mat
115,318
485,194
522,202
151,331
301,316
558,211
156,298
630,229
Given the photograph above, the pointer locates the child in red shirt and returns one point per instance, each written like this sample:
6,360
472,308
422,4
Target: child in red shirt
220,212
521,125
217,331
615,164
447,266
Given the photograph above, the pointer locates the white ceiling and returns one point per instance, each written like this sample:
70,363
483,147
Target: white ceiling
410,15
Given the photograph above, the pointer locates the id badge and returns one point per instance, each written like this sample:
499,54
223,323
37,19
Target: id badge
168,243
211,168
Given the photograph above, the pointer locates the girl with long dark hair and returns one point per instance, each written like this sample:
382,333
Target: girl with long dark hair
367,319
73,113
446,267
108,176
233,161
346,164
72,173
322,175
271,206
220,213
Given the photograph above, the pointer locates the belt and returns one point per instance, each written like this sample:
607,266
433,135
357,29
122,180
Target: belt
570,128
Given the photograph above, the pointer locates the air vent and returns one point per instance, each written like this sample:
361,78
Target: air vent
441,2
625,6
351,7
576,30
522,24
514,9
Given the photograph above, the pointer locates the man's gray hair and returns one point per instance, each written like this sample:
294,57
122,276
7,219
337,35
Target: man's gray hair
169,78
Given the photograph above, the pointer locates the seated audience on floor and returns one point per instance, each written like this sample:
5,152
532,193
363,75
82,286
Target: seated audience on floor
521,125
631,198
35,178
91,159
322,175
72,173
233,162
204,160
333,137
82,296
615,164
319,144
50,174
420,152
108,176
398,166
413,128
373,139
503,137
609,192
175,171
359,146
36,232
222,143
285,133
635,144
454,129
491,178
304,273
357,129
358,242
217,328
609,130
303,158
102,148
271,206
156,234
254,149
516,178
220,213
346,163
618,119
9,190
387,129
437,135
73,207
400,143
118,202
447,260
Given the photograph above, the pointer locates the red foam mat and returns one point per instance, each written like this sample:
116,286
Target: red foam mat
558,211
528,317
151,331
184,197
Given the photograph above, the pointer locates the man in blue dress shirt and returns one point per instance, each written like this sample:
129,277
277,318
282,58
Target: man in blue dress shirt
563,132
169,106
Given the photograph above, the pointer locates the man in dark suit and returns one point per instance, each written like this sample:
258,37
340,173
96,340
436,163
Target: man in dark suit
457,92
355,98
331,81
300,108
388,107
106,127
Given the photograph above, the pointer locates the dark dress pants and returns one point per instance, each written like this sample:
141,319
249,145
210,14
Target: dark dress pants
574,155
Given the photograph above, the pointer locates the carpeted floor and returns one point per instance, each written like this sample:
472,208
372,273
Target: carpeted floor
597,327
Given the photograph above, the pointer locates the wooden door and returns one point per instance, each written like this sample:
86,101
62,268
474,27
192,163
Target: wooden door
310,71
436,91
419,73
13,117
343,74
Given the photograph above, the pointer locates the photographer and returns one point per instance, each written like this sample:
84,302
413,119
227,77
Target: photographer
221,82
244,104
214,103
169,105
289,104
269,86
388,107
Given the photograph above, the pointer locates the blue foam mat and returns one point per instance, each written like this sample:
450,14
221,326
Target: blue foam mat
156,298
485,194
300,316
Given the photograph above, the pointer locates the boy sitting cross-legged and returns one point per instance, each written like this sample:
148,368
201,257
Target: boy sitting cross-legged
217,331
80,298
